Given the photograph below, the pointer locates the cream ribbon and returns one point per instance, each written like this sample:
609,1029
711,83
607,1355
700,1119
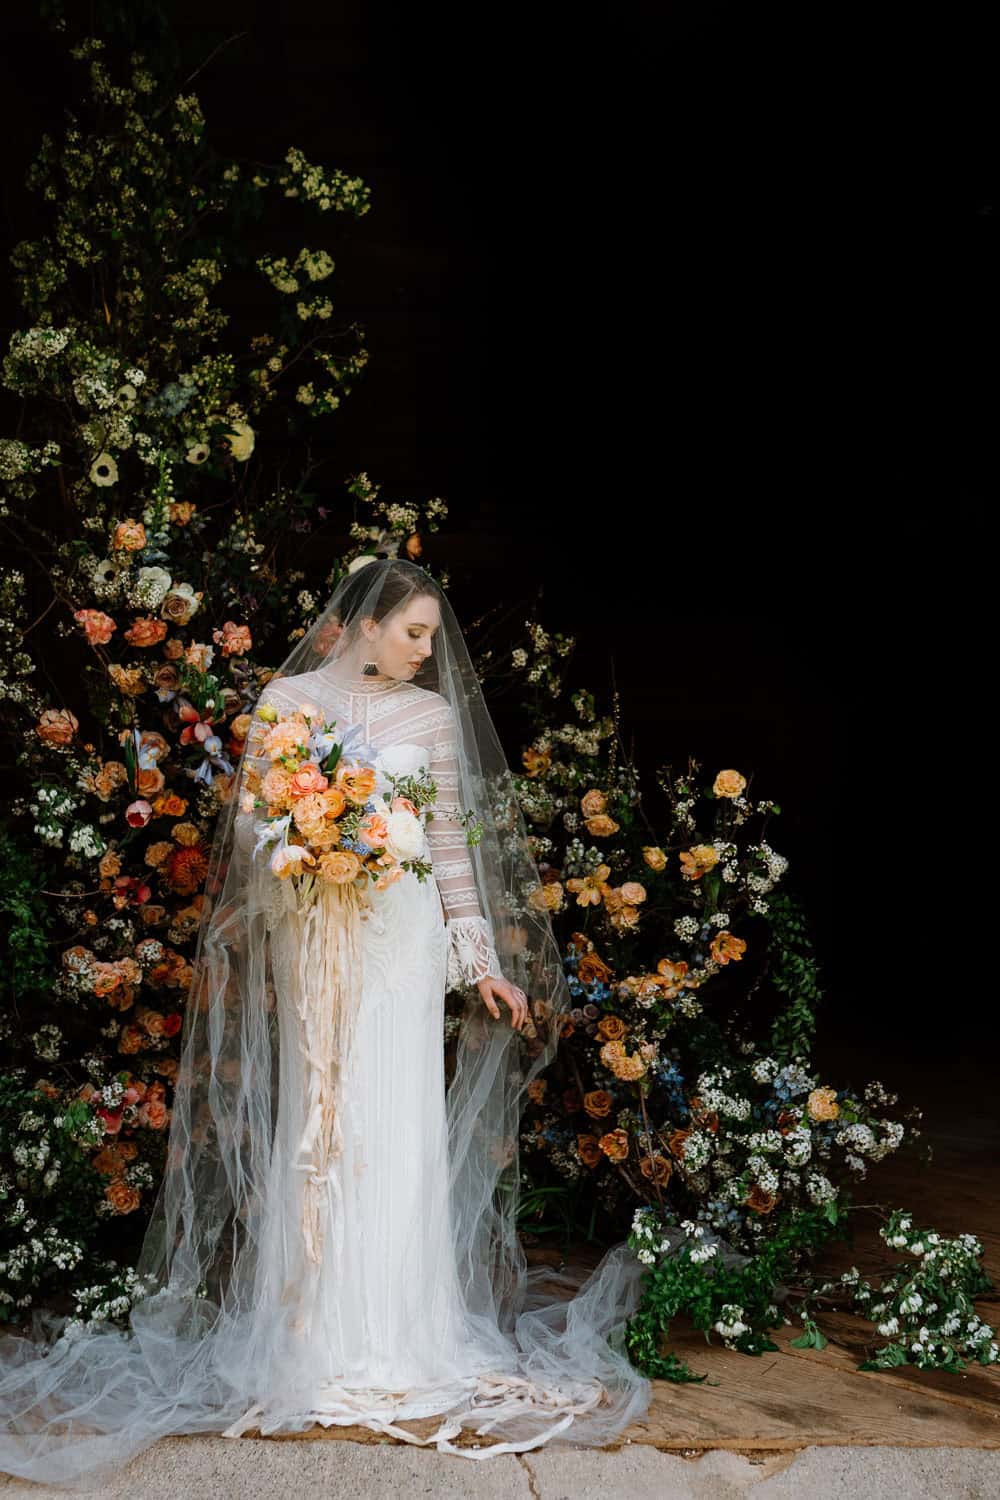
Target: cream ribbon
327,999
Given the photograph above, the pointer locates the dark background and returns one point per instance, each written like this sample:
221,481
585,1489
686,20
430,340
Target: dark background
689,312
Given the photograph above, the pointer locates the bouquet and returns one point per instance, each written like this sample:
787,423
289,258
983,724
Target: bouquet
324,820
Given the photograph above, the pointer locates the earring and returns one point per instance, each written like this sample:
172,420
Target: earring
370,668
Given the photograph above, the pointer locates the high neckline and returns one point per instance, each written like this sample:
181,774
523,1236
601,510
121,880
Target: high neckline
363,684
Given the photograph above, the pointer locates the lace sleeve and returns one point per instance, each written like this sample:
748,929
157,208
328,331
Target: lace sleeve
471,951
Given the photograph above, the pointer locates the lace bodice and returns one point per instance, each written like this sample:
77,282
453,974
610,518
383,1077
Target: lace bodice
400,719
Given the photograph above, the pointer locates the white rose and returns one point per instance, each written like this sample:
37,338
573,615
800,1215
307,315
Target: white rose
405,837
241,446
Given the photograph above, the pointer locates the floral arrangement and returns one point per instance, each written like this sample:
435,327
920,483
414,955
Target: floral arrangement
323,814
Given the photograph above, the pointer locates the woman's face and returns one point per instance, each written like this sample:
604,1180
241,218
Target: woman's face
404,641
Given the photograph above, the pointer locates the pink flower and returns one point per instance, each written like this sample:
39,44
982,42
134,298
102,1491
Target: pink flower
138,814
97,626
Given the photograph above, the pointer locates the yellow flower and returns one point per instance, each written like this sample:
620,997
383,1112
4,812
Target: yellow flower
241,445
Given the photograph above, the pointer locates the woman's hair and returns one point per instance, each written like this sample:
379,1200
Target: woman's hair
398,587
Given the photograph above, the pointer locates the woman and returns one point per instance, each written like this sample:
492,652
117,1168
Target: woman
334,1240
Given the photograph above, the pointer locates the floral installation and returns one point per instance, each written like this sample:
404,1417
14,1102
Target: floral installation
163,549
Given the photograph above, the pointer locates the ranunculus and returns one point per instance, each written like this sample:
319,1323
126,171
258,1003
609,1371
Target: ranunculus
97,626
128,536
307,780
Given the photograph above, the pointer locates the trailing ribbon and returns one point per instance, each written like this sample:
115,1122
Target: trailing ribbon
327,999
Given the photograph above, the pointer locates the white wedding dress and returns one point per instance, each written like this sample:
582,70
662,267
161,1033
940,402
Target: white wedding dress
378,1324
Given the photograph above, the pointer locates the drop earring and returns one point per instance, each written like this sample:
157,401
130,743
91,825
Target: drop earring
370,668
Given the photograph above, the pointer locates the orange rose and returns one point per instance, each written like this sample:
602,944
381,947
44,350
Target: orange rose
601,826
760,1201
590,967
654,856
598,1103
611,1028
588,1150
657,1167
675,1145
123,1198
697,861
592,803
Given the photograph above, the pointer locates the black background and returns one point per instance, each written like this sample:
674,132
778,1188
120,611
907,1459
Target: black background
689,312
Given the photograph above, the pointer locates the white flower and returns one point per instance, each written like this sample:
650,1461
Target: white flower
241,445
197,453
405,834
104,470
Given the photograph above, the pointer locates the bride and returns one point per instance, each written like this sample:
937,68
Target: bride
334,1240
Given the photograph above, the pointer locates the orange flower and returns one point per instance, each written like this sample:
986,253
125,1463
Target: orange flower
97,626
611,1028
725,948
181,511
654,856
146,630
698,860
589,889
547,897
675,1145
128,680
601,826
590,967
759,1200
129,536
729,784
598,1103
123,1198
657,1167
339,866
614,1145
356,782
822,1104
373,831
588,1150
57,726
233,639
592,803
536,1090
633,892
307,780
536,761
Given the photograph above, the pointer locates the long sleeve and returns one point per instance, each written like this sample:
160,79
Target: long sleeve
471,952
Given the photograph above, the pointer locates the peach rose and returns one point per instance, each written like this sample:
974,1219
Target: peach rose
698,860
592,803
340,866
654,856
822,1104
601,827
57,726
729,784
633,892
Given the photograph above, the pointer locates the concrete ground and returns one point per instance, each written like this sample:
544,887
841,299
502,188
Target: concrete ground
201,1467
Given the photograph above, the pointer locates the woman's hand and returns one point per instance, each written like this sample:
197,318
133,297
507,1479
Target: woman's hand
509,994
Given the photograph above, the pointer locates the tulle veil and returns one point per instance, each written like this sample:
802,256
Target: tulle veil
79,1400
